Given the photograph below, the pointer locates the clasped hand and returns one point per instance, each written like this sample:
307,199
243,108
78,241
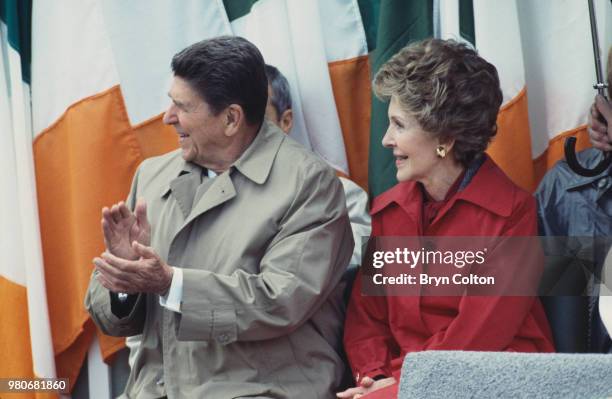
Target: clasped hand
366,386
129,264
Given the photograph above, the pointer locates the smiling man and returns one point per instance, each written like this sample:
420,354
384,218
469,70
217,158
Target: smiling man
228,247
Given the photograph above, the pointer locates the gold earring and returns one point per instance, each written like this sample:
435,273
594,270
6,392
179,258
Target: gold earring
440,151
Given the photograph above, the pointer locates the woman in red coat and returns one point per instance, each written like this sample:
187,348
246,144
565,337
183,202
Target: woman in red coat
444,101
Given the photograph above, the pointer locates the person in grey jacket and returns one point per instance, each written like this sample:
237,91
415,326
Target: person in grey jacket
600,122
577,212
228,247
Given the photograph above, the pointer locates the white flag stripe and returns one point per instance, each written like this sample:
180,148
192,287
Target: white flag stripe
449,19
267,27
343,30
143,54
71,57
559,66
25,211
11,254
319,105
289,35
498,39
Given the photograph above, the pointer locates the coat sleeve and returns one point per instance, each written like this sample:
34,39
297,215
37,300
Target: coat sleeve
300,267
111,316
491,323
357,206
551,213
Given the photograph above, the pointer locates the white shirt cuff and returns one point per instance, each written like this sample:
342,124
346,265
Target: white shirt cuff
172,300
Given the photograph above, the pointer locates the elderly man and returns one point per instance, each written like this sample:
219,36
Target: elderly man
234,244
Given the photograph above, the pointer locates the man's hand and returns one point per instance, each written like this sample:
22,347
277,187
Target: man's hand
600,132
147,274
366,386
121,227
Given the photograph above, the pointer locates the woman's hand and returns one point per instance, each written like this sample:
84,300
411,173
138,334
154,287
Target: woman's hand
366,386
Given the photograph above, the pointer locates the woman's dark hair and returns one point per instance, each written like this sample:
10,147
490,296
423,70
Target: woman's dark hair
449,89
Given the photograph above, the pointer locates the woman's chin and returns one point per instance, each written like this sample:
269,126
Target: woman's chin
402,176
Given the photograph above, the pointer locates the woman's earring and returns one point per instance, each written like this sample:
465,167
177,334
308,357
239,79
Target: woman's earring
440,151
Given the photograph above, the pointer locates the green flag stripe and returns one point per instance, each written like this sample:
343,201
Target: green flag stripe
466,21
400,22
369,10
237,8
17,15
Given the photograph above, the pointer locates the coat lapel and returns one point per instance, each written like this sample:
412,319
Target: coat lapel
184,190
220,190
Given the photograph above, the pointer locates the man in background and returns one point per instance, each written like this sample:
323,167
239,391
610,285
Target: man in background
578,210
600,133
279,110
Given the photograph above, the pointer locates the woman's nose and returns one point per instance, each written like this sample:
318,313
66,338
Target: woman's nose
387,140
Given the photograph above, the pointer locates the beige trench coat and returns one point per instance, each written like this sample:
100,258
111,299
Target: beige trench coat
261,250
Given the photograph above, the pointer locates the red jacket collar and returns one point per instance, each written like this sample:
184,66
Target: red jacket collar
489,188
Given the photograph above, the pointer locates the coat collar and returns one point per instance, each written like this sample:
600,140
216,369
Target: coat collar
255,162
181,167
490,189
484,185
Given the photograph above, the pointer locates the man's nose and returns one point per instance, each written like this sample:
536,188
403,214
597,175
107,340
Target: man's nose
170,117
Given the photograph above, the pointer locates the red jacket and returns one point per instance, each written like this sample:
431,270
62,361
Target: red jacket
379,330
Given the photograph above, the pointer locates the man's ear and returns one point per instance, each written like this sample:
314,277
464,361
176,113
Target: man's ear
234,118
286,120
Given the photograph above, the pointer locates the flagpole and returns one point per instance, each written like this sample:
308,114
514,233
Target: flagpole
600,85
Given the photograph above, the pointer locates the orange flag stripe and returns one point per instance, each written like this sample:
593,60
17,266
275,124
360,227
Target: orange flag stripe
351,86
15,345
84,161
511,147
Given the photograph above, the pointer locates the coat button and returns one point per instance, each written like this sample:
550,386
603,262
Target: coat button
160,382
